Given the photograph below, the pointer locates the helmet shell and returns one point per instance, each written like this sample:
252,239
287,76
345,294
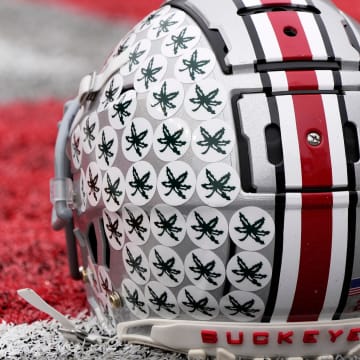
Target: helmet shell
216,171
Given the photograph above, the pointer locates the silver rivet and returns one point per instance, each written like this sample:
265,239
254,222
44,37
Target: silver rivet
115,300
314,139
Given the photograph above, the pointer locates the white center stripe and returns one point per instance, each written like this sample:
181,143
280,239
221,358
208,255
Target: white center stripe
279,81
325,79
289,139
338,255
299,2
267,36
336,140
313,36
291,257
249,3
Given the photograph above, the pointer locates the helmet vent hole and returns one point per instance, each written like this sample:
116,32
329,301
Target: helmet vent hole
351,142
106,246
93,243
278,9
274,145
290,31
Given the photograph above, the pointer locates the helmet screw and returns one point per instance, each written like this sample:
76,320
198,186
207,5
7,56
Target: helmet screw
115,300
314,138
84,274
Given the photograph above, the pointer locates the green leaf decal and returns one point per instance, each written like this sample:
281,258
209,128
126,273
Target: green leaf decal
136,140
165,25
166,267
249,273
140,184
179,41
164,99
171,141
105,149
215,142
136,224
207,229
246,309
218,186
194,66
206,101
112,190
134,57
121,109
253,231
176,185
167,225
204,270
149,73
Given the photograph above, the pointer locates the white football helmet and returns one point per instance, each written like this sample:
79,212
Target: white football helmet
210,174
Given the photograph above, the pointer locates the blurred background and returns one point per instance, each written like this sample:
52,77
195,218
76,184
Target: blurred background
46,47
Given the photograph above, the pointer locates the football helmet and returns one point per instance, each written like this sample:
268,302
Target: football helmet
210,174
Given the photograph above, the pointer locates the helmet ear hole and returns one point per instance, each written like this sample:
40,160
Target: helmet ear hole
290,31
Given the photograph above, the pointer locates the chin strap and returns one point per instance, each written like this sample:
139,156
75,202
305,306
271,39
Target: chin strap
68,330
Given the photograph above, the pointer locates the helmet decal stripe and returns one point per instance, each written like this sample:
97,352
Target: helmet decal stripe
336,139
267,36
315,37
291,249
351,154
315,257
302,80
287,35
292,39
315,159
290,142
252,3
323,80
338,254
346,299
309,166
325,35
277,279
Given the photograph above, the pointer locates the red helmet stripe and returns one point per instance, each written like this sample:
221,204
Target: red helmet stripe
313,171
290,35
315,160
315,255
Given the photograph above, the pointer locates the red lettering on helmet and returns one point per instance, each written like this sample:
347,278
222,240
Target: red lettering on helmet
285,337
310,336
335,334
209,336
261,338
354,334
238,341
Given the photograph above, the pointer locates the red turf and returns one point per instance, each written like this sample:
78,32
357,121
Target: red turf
31,253
115,9
112,9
